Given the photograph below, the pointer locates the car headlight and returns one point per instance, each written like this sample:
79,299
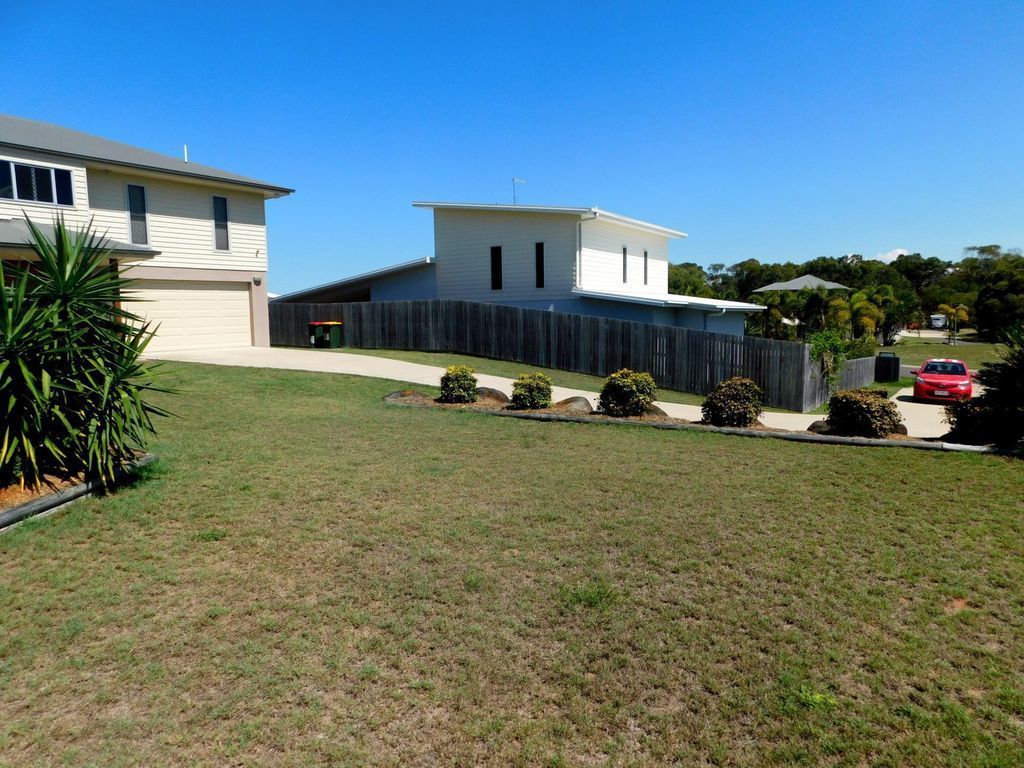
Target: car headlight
921,381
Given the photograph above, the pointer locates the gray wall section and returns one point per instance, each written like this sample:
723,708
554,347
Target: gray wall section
413,284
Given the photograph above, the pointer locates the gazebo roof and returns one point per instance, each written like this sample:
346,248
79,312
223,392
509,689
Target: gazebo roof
800,283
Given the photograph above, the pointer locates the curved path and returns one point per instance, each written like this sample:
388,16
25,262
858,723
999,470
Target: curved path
922,420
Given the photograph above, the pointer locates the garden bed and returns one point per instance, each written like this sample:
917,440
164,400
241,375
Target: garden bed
19,504
658,420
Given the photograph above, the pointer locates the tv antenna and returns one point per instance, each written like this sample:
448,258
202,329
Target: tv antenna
514,182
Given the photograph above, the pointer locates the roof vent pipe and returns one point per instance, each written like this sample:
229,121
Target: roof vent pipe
186,153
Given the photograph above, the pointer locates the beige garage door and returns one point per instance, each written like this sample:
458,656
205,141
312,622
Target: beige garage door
194,315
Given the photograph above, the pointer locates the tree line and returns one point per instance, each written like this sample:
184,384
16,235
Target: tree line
984,289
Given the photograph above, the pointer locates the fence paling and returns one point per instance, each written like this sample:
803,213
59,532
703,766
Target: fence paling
677,358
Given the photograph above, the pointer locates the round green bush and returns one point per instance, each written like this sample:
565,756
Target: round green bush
531,390
458,385
735,402
862,413
627,393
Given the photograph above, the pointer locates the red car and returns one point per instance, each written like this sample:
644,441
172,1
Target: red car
942,379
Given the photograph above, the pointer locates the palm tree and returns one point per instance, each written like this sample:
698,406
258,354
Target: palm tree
954,316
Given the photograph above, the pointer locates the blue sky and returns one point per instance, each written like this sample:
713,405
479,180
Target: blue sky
779,131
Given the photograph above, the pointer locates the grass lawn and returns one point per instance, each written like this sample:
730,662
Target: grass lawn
311,577
914,351
508,370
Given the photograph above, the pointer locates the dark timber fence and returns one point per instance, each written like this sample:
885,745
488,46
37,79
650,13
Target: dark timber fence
677,358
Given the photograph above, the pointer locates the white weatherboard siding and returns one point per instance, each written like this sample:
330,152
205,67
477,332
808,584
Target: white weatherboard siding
194,315
462,245
180,221
601,259
76,215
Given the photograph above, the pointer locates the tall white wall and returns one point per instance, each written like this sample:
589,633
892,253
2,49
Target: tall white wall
462,246
601,259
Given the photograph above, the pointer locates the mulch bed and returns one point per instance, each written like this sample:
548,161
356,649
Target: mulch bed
13,495
487,404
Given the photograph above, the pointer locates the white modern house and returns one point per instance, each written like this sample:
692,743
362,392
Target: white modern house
566,259
194,237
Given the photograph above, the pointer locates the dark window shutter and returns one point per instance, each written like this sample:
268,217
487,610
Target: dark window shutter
495,267
539,262
220,223
23,179
62,181
137,214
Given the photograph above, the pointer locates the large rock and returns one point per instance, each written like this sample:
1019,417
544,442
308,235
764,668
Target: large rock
653,410
901,430
575,405
489,393
819,427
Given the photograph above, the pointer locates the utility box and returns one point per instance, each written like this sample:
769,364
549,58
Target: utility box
887,367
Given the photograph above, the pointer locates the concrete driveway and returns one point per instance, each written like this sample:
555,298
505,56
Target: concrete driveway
922,420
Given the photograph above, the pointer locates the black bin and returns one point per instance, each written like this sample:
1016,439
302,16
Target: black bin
887,367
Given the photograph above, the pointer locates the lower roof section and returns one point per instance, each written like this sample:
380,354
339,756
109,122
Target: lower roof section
355,285
15,235
673,300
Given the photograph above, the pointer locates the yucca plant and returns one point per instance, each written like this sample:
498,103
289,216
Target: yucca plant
71,376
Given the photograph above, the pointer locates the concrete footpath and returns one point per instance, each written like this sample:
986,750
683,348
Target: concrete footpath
922,420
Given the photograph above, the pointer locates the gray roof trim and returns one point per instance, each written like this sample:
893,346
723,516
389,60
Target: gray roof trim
35,136
355,279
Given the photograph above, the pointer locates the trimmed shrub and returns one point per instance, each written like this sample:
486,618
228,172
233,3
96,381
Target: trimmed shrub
627,393
970,422
862,414
458,385
863,346
735,402
531,390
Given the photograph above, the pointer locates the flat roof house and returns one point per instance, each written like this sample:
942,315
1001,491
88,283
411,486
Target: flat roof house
194,237
566,259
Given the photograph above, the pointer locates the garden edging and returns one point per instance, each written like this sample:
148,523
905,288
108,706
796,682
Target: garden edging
52,501
800,437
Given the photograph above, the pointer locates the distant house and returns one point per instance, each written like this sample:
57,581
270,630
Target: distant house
581,260
194,237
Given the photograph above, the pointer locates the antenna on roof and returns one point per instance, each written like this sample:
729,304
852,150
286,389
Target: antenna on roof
514,182
186,153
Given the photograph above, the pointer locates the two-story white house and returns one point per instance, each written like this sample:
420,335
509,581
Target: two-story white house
566,259
194,237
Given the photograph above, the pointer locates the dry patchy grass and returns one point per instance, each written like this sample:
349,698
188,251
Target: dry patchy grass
311,577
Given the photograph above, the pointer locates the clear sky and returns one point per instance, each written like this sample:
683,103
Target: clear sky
779,131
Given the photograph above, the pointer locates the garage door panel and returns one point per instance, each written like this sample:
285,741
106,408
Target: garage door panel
193,315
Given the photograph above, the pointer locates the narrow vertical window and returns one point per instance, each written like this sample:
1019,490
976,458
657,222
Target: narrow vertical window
645,267
6,180
538,258
220,223
62,184
137,214
624,258
495,267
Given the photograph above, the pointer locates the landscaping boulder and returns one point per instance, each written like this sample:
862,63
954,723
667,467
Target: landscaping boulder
819,427
489,393
901,430
653,410
575,405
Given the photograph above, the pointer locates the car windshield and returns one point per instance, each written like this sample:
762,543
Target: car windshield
945,369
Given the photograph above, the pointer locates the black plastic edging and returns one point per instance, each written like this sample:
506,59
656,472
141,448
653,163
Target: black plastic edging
58,498
798,437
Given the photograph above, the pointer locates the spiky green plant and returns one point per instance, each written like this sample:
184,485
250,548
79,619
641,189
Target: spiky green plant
71,376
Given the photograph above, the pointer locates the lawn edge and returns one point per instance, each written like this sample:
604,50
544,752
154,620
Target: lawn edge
51,502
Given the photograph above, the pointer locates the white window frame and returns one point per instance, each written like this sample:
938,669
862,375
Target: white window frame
227,223
12,161
128,213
